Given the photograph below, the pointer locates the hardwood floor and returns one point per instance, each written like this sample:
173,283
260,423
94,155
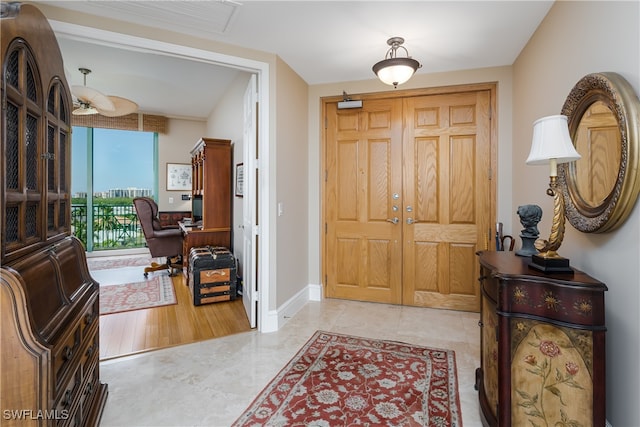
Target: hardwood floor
154,328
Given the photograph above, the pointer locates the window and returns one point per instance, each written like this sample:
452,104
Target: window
110,168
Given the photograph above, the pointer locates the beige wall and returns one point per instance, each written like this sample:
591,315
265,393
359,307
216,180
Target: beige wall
174,147
575,39
291,241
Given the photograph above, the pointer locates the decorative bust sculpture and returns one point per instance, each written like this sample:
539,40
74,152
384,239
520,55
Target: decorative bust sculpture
530,216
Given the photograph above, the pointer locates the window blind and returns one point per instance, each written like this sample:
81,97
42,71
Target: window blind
134,121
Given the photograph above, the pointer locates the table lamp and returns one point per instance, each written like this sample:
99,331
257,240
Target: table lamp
552,145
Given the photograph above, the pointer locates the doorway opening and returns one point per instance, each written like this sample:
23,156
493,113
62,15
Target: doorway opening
265,322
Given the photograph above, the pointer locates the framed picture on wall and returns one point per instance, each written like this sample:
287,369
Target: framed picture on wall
178,177
240,180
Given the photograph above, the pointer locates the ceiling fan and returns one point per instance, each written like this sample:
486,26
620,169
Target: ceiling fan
90,101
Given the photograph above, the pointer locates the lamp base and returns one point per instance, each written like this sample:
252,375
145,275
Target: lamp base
550,265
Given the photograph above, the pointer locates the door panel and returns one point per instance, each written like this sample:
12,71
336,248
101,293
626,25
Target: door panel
461,166
250,204
364,156
347,176
447,158
425,176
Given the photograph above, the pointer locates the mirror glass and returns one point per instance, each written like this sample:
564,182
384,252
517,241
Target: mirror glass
601,188
598,142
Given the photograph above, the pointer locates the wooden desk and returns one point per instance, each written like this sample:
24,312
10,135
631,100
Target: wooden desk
195,237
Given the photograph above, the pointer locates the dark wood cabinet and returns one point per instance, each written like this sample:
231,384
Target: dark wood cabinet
49,305
211,182
542,358
211,165
50,340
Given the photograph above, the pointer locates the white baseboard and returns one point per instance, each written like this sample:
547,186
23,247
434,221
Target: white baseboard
315,292
270,322
287,310
277,318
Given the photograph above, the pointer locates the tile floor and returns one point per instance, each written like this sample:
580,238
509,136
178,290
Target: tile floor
211,383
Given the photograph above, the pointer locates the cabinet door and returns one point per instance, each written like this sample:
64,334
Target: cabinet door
36,148
22,150
216,185
551,374
57,162
490,354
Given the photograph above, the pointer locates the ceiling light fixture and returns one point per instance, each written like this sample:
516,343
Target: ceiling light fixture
84,109
90,101
393,70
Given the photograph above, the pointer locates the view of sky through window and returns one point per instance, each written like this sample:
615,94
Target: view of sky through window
121,159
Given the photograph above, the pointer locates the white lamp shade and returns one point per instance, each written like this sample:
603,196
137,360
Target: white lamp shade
551,140
395,71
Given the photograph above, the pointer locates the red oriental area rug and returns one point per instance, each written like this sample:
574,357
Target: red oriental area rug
155,291
341,380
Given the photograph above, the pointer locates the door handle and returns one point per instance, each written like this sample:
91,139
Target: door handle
412,221
393,220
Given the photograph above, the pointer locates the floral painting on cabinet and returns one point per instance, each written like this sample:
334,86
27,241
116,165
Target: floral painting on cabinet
551,375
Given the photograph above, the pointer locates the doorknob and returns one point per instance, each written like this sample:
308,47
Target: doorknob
411,221
393,220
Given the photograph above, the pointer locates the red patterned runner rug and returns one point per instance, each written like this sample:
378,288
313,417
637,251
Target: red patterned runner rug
341,380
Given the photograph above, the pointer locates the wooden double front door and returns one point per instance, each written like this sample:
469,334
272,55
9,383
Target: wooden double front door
408,198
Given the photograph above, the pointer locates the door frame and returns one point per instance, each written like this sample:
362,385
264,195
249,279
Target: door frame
441,90
267,322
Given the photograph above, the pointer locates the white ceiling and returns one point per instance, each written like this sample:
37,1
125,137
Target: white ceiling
323,41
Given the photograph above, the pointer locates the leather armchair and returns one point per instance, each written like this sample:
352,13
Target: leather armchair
161,241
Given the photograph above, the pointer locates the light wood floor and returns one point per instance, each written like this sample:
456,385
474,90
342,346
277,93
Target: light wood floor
154,328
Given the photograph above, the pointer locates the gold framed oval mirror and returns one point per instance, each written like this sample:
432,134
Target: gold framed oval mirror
601,188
